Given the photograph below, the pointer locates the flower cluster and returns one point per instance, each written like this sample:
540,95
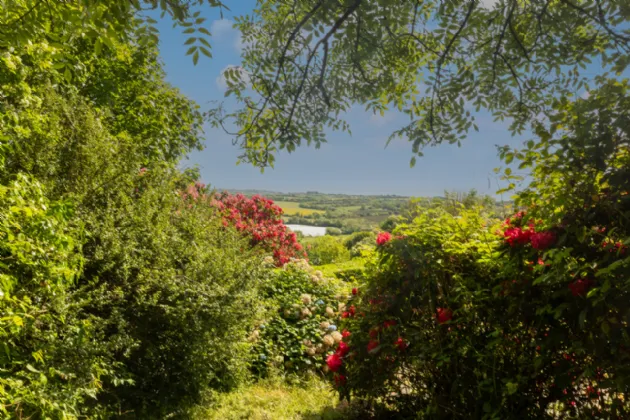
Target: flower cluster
383,238
260,219
516,234
334,361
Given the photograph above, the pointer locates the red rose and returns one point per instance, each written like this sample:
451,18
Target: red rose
401,344
340,380
343,349
355,291
374,332
516,235
444,315
372,345
542,240
352,310
383,238
580,287
346,334
389,323
345,314
334,362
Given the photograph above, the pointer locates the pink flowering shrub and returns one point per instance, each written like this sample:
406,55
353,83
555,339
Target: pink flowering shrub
261,219
257,217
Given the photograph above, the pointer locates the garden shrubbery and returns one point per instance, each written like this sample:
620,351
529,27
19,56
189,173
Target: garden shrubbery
303,309
327,250
120,294
469,317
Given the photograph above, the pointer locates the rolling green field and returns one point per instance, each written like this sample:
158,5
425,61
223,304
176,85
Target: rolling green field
291,208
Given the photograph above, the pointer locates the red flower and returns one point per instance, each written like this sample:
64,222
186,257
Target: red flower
542,240
373,344
355,291
389,323
580,287
340,380
352,310
401,344
374,332
343,349
346,334
516,235
334,362
383,238
345,314
444,315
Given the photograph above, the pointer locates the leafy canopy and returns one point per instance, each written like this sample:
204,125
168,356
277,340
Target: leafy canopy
307,61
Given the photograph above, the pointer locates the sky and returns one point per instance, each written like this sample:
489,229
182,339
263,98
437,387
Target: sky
357,164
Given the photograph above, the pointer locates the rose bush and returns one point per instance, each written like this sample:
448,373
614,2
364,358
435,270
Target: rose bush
522,318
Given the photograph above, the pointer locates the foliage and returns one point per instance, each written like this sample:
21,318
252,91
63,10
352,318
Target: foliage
302,312
107,24
49,364
529,322
436,61
121,294
261,220
326,250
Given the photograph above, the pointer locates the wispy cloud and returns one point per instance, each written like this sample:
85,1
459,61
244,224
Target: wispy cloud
223,30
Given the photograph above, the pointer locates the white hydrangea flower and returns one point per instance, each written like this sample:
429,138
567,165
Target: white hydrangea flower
336,335
328,340
306,299
330,312
324,325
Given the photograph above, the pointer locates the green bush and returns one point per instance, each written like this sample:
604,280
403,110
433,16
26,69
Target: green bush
50,365
303,311
357,238
468,318
326,250
146,299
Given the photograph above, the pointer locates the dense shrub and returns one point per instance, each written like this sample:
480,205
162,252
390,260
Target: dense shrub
124,295
303,310
261,221
326,250
49,363
467,318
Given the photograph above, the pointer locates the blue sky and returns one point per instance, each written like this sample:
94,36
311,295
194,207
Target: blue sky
357,164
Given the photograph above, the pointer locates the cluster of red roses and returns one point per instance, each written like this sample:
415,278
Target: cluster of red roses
383,238
335,360
517,235
259,218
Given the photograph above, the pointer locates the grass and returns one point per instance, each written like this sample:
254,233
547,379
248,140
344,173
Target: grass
276,400
291,208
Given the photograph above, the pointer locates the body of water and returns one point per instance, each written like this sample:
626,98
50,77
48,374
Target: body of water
308,230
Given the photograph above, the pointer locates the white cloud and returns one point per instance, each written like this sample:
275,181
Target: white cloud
223,31
222,82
